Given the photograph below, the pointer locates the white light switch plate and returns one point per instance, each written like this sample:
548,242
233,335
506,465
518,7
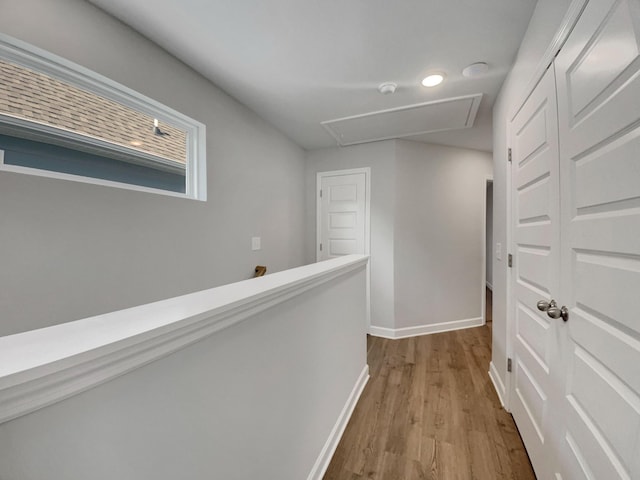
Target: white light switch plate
255,243
499,251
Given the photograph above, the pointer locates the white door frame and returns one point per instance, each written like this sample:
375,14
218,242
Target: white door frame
488,179
507,248
367,222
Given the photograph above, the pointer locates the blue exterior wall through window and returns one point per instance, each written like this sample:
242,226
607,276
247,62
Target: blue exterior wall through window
54,158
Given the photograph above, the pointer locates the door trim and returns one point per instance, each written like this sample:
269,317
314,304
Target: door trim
367,221
564,29
508,317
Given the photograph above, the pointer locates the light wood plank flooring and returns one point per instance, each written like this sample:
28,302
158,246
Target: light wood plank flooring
429,411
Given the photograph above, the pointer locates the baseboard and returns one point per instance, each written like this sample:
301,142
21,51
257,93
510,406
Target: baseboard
498,384
322,463
425,329
381,332
489,286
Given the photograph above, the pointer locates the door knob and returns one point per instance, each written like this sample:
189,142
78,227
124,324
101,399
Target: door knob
544,306
555,313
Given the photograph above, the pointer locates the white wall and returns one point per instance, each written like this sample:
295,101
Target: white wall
71,250
439,214
489,237
544,23
257,400
380,158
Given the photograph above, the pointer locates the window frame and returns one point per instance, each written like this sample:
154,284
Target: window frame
34,58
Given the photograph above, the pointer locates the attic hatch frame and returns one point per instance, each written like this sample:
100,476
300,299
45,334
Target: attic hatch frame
40,61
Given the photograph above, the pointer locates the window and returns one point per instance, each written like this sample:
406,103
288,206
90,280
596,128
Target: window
61,120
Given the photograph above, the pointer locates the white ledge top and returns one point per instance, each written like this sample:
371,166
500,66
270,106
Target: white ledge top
33,364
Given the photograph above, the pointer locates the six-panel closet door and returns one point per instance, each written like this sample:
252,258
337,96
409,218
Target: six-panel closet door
575,390
598,79
536,272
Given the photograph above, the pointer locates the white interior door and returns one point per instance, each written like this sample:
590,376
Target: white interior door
342,214
535,276
598,73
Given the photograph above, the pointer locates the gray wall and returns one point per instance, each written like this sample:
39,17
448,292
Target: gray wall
257,400
426,228
438,233
380,157
71,250
546,20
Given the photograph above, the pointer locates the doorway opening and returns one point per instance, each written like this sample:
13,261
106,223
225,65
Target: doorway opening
487,280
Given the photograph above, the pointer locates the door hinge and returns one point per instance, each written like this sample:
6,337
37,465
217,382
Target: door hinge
508,365
320,193
320,247
510,260
509,154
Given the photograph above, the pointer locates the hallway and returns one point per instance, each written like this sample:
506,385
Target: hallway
429,411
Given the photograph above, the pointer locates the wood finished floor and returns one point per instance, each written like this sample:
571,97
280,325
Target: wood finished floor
429,411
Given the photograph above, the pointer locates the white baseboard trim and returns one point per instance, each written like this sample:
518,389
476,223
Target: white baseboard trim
381,332
322,463
498,384
396,333
489,286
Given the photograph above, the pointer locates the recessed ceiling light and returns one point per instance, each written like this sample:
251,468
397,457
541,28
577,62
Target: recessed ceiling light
433,80
475,69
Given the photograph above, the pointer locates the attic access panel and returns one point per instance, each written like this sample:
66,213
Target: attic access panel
437,116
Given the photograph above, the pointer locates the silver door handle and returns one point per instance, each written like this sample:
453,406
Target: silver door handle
555,313
544,306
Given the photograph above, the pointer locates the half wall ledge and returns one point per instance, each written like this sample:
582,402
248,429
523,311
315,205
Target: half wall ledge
41,367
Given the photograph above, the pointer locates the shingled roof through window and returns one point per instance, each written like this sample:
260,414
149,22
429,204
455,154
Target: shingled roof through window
36,97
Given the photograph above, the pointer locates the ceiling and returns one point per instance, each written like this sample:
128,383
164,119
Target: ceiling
298,63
